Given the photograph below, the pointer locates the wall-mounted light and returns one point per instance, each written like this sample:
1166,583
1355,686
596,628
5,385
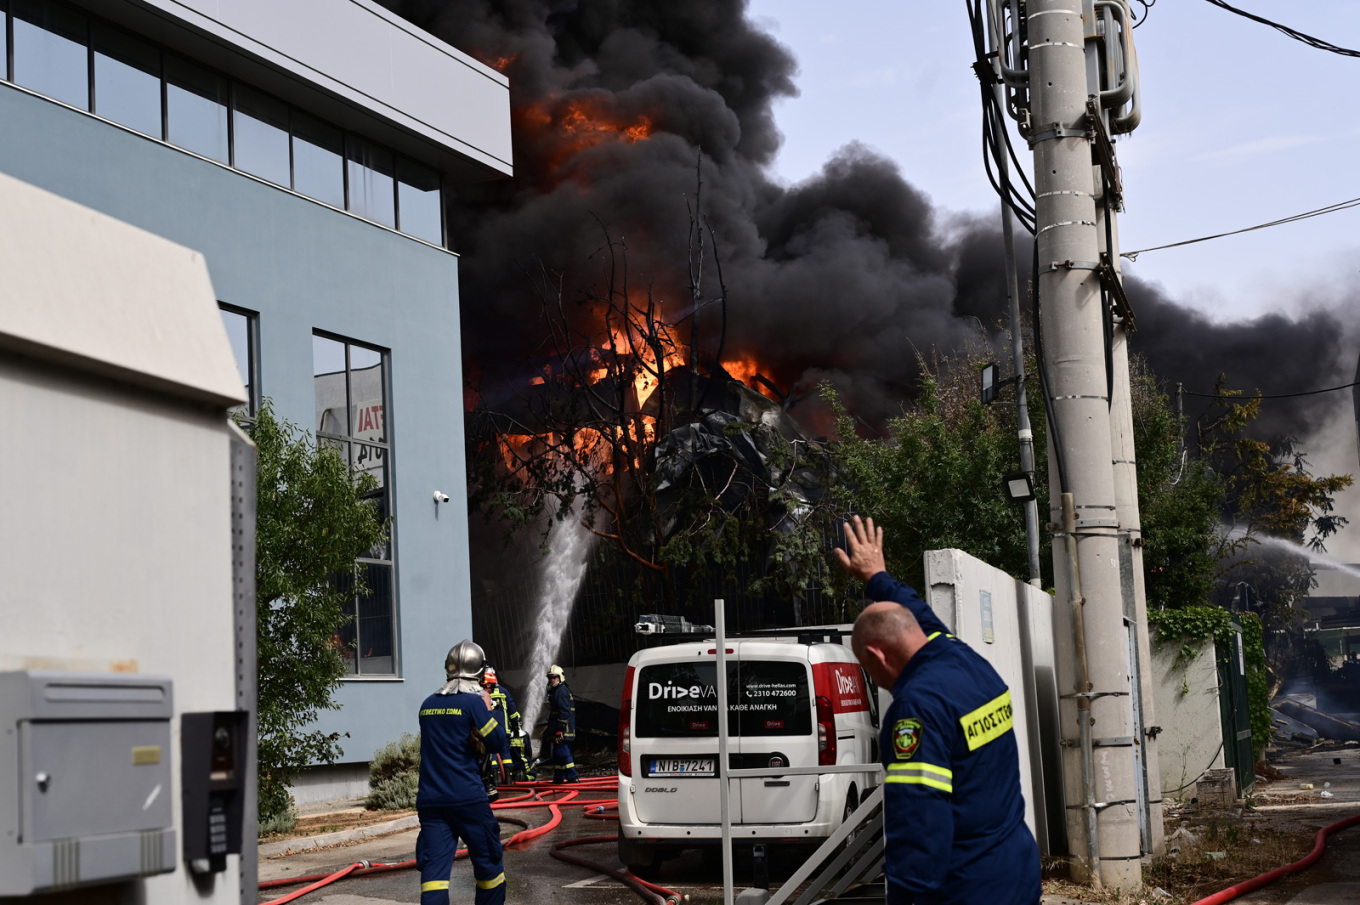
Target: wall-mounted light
440,496
1019,487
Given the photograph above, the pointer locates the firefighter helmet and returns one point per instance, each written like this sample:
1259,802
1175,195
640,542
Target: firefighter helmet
466,660
489,677
556,670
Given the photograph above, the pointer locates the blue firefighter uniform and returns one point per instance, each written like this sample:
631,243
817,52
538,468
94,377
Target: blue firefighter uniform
508,715
561,732
452,800
954,813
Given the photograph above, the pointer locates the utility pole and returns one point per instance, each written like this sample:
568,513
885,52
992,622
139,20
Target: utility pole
1065,131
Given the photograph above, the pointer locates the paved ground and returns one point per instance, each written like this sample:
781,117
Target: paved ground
532,875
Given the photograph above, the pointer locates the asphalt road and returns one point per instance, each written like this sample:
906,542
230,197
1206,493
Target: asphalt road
532,875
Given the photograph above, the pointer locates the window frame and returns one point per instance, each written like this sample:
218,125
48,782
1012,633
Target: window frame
350,442
253,394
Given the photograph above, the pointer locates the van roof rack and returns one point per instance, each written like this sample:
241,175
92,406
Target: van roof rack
802,634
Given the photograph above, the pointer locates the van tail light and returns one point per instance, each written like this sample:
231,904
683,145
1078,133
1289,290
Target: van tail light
625,727
826,733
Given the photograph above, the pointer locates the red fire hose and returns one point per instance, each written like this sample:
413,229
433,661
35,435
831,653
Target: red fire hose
1246,886
532,797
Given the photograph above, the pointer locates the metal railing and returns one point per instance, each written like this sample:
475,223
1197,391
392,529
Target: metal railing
850,855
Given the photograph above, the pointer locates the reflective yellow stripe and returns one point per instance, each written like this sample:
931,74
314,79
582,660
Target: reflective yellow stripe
489,884
933,635
921,768
436,884
989,722
490,724
564,767
921,781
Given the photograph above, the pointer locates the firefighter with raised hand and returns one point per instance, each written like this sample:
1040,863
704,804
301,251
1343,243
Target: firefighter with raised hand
457,723
561,731
953,810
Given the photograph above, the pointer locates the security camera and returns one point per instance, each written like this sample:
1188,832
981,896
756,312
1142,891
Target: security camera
441,497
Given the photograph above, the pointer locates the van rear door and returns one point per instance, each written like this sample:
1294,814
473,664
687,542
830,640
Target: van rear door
675,743
774,726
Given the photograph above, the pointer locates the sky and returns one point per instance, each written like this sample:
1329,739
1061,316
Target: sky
1240,125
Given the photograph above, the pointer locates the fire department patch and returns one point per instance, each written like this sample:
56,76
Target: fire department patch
906,737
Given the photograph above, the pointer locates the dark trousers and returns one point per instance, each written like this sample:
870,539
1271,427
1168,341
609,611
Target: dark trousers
440,830
521,762
564,768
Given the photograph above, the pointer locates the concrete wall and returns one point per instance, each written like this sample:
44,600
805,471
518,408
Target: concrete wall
303,266
116,523
1018,642
1191,740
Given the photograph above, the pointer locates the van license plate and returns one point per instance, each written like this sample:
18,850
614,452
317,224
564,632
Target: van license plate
681,766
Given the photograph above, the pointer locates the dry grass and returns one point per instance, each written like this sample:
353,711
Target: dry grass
1193,873
334,822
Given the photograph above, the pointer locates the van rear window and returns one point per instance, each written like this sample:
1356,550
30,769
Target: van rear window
680,700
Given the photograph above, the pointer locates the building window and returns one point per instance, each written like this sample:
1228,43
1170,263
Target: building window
51,51
370,179
83,61
243,331
318,160
196,109
259,132
419,211
350,382
127,79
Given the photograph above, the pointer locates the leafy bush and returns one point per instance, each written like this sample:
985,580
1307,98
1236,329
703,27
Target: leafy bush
394,775
278,823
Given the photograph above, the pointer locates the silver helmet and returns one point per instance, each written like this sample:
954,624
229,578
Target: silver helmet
466,660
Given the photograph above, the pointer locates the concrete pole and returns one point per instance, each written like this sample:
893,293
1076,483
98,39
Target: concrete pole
1074,356
1131,542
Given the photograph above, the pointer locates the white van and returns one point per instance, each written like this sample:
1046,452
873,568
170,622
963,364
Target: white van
791,703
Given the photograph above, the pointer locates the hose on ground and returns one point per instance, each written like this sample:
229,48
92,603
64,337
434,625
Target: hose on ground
532,797
1246,886
650,892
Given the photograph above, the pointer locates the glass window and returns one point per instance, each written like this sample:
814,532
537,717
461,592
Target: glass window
351,392
4,41
680,700
371,191
51,53
196,109
127,79
241,331
259,136
418,202
318,161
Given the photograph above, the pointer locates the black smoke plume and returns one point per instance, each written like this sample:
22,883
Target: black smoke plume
846,277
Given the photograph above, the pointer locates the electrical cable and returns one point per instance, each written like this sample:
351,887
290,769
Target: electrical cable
1316,43
1212,757
1344,386
1246,886
1329,209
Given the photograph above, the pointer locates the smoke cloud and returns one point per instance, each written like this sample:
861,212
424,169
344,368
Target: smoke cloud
846,276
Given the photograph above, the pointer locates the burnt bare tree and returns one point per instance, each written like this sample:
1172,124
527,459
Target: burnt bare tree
632,425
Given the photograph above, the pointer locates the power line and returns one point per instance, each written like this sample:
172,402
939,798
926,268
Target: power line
1329,209
1344,386
1285,30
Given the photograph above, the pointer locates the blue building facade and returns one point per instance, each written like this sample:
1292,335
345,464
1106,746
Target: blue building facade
312,184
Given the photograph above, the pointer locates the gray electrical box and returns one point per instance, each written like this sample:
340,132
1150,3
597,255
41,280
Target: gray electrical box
86,787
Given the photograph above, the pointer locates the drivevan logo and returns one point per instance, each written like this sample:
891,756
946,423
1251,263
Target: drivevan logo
672,692
847,684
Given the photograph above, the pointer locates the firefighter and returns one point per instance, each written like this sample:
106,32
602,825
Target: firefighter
509,714
561,731
458,723
954,814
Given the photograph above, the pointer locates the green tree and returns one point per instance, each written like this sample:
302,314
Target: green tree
312,520
935,480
